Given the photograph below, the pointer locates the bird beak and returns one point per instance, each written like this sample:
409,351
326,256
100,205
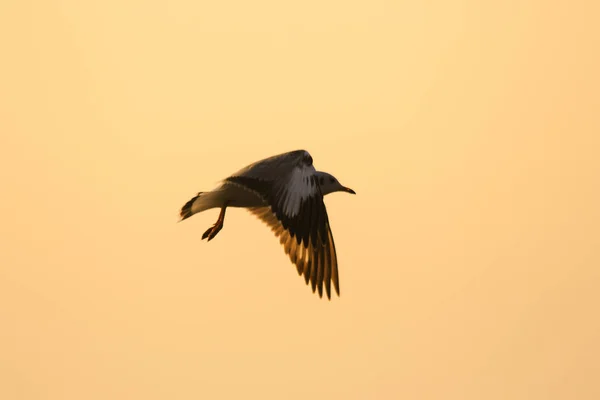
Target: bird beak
349,190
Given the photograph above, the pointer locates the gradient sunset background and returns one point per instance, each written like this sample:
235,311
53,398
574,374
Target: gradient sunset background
469,258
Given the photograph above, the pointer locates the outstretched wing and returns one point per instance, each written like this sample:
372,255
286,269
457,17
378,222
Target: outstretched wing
297,215
273,168
317,262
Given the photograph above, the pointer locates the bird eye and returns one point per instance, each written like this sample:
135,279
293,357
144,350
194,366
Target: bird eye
331,180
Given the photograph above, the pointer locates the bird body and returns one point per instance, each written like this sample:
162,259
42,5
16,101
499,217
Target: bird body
227,192
286,192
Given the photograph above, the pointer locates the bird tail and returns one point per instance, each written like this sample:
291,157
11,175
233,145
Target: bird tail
201,202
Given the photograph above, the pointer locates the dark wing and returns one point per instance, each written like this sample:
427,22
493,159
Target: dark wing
315,258
273,168
297,215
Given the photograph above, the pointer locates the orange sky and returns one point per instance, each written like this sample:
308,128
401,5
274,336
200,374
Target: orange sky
469,259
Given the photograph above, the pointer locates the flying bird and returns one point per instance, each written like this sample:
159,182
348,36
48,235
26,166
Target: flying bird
286,192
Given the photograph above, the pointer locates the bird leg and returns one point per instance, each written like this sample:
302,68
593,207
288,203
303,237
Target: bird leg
213,230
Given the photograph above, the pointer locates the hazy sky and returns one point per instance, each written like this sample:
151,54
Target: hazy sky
469,258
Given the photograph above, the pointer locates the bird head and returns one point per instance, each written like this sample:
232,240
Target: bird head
329,184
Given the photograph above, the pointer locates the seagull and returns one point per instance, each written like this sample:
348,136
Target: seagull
285,192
